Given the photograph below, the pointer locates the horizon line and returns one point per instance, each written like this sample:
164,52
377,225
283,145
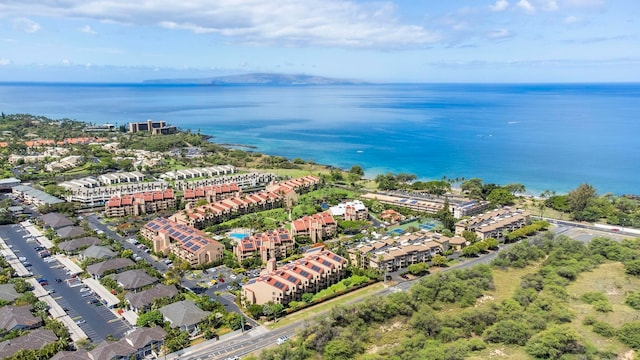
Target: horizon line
145,83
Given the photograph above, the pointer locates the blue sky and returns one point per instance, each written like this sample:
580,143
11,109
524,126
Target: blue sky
378,41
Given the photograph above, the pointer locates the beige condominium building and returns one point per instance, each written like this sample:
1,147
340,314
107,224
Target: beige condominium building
316,227
140,203
398,252
210,193
187,243
219,211
495,223
317,270
269,244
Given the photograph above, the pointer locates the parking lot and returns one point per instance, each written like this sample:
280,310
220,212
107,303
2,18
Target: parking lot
97,321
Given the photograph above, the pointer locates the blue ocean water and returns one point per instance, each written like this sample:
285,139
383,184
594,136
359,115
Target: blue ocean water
549,136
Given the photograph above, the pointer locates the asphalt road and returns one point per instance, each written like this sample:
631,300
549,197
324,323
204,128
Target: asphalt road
95,223
100,321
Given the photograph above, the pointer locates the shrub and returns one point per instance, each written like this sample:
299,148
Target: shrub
591,297
603,306
554,343
604,329
633,300
508,332
589,320
632,267
629,334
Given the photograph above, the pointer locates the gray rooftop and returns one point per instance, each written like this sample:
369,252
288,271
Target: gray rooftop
56,220
183,313
135,279
145,298
112,264
75,244
38,194
34,340
8,292
12,317
9,181
96,251
69,232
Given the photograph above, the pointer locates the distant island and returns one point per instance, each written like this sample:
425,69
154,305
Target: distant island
259,79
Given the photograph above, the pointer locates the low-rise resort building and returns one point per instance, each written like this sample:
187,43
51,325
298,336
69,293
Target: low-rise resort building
317,270
210,193
316,227
495,223
398,252
219,211
185,242
267,245
140,203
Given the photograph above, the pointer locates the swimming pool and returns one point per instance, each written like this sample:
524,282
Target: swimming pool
238,236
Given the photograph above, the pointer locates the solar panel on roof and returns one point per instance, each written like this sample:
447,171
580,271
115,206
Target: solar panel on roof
304,273
279,285
283,236
195,247
326,263
315,268
292,278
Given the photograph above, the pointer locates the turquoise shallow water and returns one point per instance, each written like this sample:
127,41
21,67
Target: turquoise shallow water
544,136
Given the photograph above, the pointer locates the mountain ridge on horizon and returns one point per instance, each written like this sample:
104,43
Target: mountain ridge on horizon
259,79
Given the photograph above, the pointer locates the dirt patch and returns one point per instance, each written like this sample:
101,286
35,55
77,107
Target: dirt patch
629,355
395,326
484,299
497,353
613,292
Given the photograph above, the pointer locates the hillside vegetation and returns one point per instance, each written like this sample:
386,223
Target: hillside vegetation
546,298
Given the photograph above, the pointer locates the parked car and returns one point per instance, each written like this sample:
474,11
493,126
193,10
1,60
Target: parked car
282,339
85,294
80,322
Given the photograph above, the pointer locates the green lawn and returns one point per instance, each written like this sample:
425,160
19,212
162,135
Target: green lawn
325,306
615,284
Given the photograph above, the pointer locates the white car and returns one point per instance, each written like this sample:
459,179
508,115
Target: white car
282,339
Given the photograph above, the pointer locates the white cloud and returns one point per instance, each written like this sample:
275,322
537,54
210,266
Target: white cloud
500,34
88,30
338,23
551,5
66,62
500,5
526,6
4,62
585,3
26,25
570,20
